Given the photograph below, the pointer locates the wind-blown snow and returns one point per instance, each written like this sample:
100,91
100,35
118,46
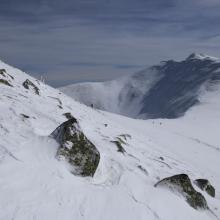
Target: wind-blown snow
167,90
35,185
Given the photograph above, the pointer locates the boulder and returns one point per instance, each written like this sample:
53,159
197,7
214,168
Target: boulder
76,149
205,185
29,85
181,184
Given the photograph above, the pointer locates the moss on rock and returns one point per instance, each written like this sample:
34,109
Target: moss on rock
205,185
181,183
76,148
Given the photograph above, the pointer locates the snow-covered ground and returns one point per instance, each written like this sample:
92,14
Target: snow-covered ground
35,185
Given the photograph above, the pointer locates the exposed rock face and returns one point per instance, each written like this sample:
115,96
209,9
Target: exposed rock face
5,82
76,148
178,89
29,85
120,141
181,183
68,115
205,185
5,78
166,90
2,72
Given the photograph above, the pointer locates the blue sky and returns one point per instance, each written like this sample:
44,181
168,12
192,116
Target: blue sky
94,40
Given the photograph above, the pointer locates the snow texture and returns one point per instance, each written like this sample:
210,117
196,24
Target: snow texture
35,185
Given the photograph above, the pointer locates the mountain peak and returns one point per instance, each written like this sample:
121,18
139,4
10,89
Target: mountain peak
201,56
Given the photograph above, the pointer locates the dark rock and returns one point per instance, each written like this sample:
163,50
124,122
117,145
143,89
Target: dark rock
143,170
25,116
28,84
11,76
68,115
178,89
125,136
119,146
76,148
2,72
205,185
181,183
5,82
119,142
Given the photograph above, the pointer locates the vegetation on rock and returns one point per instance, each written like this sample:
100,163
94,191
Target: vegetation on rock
181,183
76,148
205,185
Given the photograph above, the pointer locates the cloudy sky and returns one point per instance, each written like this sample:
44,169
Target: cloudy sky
70,41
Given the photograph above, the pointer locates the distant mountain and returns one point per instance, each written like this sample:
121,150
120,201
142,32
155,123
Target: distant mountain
166,90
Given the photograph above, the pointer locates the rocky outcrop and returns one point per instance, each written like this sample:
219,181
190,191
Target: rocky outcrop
205,185
68,115
76,149
2,72
166,90
29,85
5,78
5,82
181,184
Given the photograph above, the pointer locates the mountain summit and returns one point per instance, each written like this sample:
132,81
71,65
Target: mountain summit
166,90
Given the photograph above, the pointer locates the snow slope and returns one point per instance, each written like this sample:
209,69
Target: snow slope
35,185
167,90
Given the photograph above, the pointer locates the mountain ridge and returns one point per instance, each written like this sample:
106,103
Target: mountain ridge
151,93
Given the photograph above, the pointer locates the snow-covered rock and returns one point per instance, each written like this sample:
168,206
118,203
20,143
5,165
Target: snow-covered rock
167,90
181,183
76,148
205,185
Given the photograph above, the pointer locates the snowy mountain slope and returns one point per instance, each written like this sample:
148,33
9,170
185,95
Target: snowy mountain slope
35,185
167,90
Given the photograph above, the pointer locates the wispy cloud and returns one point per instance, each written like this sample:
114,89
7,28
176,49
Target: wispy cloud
88,40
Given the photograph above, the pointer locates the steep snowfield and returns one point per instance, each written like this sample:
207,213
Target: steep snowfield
35,185
121,96
167,90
